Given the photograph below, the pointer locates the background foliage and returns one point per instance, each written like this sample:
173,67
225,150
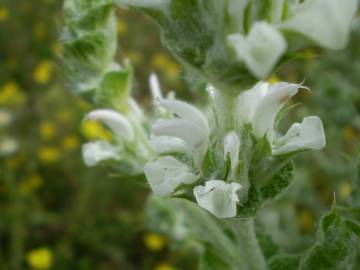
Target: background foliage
57,214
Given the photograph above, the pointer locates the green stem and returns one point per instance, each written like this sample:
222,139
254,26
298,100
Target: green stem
17,230
225,103
241,252
247,243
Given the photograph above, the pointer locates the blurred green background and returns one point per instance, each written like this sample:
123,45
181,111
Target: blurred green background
57,214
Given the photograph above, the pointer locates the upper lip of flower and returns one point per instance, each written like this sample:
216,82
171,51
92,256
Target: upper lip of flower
260,105
118,123
190,125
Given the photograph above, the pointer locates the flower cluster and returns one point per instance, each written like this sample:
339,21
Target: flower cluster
264,44
249,35
184,141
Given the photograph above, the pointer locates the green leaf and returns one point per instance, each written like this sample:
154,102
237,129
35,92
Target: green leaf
195,32
334,245
284,261
89,42
211,261
114,90
278,182
260,193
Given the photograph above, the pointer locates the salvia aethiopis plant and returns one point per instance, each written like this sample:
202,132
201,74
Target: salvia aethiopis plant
222,163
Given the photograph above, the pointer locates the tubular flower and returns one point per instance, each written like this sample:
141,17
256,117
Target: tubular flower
166,174
326,22
186,134
95,152
259,107
190,126
232,148
125,145
218,197
261,49
115,121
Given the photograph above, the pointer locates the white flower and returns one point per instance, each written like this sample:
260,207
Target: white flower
301,136
231,148
155,88
165,144
190,125
5,118
115,121
260,105
261,49
166,174
8,146
327,22
95,152
218,197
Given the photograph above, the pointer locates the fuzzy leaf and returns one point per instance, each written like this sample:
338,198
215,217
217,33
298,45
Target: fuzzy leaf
195,30
258,195
89,42
333,247
114,90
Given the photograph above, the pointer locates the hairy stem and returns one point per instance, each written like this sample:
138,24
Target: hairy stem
247,244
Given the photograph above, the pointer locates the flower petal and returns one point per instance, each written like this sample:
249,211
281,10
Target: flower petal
165,144
301,136
272,98
218,197
166,174
327,22
115,121
187,112
261,49
155,87
180,128
232,148
95,152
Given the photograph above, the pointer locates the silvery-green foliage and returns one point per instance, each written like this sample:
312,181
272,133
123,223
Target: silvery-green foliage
206,35
230,159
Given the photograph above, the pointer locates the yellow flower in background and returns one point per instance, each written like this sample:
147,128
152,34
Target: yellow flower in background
70,142
94,130
30,184
309,54
121,27
40,30
64,116
164,266
42,73
164,63
306,220
345,190
40,258
154,242
273,79
159,60
49,154
134,56
56,48
47,130
4,13
349,134
10,94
